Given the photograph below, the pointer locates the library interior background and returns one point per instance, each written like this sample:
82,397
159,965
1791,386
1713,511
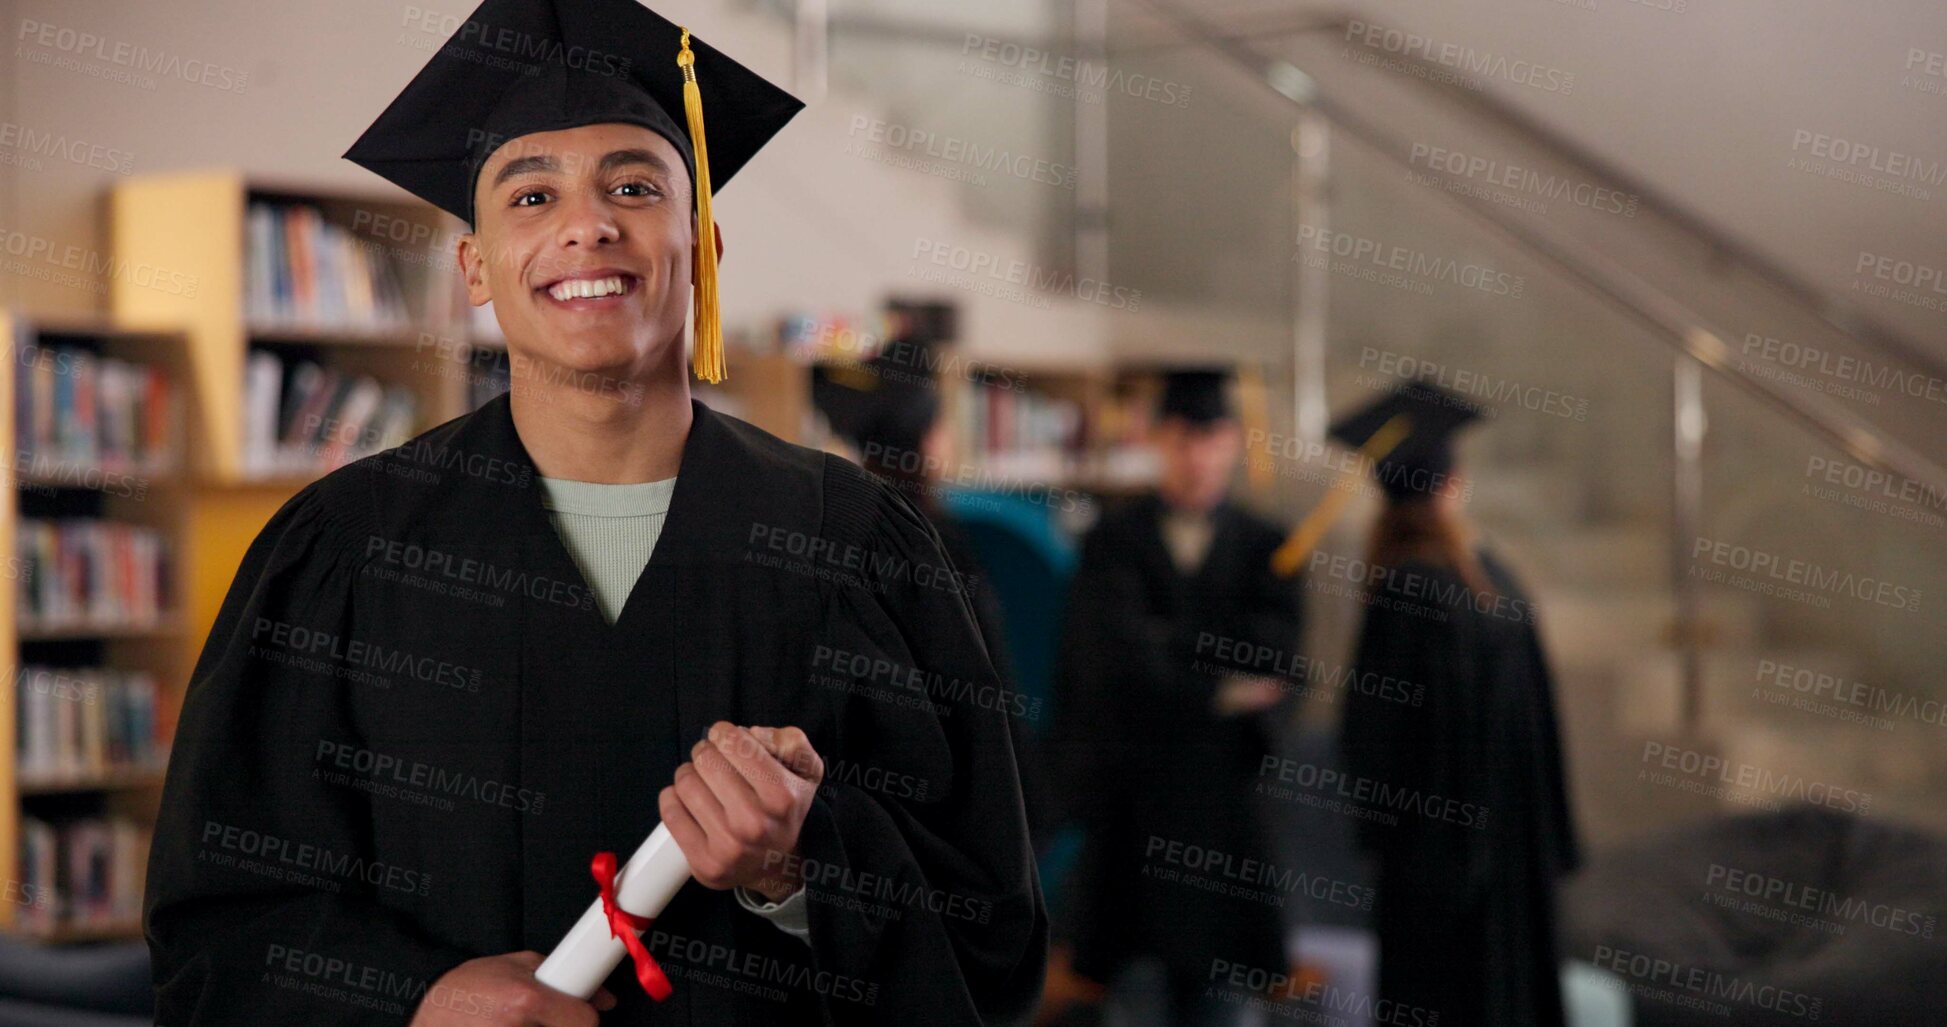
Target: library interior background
1683,262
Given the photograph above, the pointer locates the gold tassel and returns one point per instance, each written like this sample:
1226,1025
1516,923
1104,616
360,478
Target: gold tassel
1290,557
707,360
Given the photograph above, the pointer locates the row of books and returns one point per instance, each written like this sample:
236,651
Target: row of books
302,269
85,722
1017,435
997,421
78,408
303,417
80,873
89,573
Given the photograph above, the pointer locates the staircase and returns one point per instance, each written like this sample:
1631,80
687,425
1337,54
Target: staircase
1582,511
826,223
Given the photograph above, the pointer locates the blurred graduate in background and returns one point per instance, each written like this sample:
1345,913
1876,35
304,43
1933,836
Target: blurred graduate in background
1159,744
1474,826
887,410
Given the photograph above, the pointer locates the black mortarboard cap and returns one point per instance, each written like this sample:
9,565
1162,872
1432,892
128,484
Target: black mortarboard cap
516,67
923,321
889,401
1198,396
1420,461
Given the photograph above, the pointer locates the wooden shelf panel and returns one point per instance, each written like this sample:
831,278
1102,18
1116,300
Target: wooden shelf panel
56,474
403,335
164,628
118,779
68,934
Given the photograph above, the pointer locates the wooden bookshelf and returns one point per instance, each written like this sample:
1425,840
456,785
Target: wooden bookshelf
148,494
194,231
1101,456
1105,456
74,934
770,390
116,779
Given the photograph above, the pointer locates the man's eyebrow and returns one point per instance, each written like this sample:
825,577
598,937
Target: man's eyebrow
618,158
523,165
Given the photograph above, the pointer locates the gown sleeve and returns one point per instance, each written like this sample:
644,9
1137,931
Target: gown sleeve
969,945
231,945
1275,623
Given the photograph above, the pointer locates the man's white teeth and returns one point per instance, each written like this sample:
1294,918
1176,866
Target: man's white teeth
587,288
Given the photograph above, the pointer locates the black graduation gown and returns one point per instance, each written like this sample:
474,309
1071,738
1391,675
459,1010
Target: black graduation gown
986,604
1465,904
411,728
1147,760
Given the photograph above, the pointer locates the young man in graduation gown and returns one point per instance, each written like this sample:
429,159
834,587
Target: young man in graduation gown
1469,854
448,675
1161,737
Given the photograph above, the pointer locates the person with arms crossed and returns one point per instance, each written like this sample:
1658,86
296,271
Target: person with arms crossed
1161,728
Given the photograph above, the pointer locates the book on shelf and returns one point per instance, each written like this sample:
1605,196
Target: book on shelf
997,420
1021,434
80,874
80,723
303,417
88,573
74,408
302,270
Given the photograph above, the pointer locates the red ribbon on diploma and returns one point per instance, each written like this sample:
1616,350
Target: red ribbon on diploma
623,924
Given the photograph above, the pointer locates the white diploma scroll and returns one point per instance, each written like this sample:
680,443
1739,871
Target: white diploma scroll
588,953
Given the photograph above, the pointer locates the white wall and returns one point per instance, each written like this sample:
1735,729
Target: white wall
807,227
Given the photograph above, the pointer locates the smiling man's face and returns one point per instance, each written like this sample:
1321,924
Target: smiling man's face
583,239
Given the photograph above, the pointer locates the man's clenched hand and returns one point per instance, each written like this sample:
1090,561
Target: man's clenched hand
736,807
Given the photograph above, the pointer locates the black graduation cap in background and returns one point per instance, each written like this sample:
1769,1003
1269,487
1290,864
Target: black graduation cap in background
923,321
1419,461
885,401
1199,396
516,67
1408,435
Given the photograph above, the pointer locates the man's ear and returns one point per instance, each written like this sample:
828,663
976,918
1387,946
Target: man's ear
473,269
696,232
